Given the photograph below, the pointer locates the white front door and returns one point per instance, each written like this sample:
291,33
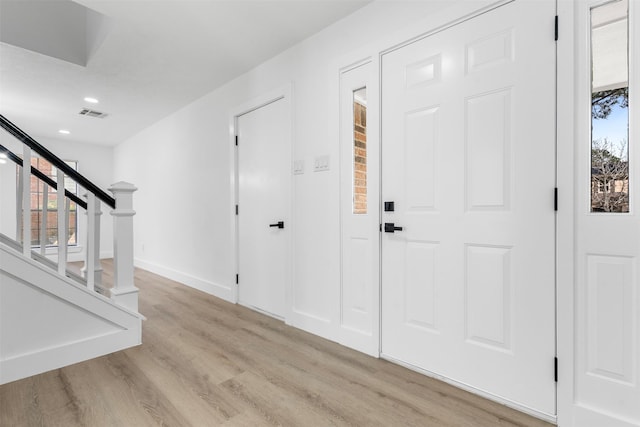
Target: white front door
264,224
468,160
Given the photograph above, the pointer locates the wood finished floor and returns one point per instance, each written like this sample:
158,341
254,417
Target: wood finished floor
205,362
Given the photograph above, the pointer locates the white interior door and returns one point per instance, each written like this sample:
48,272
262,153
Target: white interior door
468,158
264,223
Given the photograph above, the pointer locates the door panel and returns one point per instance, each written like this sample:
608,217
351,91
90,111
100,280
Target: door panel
263,198
607,293
468,152
359,206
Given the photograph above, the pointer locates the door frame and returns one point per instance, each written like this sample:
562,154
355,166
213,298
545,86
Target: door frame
565,215
284,93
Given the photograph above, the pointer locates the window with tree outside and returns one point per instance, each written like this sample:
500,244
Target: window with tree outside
38,208
610,107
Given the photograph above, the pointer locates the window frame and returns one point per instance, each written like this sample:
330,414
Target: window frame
38,194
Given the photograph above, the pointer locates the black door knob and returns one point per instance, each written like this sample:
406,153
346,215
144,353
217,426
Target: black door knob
279,224
390,227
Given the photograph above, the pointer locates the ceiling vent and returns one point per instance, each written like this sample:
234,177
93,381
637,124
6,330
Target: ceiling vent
92,113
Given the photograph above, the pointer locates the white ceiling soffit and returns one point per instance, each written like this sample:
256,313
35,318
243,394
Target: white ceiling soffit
60,29
609,46
142,59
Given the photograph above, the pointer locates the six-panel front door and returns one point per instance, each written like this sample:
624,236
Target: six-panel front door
468,158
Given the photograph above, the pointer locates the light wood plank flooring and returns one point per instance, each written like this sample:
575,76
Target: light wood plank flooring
205,362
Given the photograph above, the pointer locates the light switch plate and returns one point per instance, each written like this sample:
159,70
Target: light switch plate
298,167
321,163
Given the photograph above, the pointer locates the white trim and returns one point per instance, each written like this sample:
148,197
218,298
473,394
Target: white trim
126,324
53,250
76,254
25,365
44,278
212,288
314,324
463,17
565,221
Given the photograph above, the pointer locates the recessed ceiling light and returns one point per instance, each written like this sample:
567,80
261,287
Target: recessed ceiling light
91,100
64,132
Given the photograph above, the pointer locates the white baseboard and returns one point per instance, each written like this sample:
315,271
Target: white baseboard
47,359
312,323
78,256
209,287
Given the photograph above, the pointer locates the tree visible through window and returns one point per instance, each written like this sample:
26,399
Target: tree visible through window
610,107
38,208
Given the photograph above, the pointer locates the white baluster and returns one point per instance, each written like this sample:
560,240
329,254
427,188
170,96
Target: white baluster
43,222
26,201
89,267
92,266
124,291
67,209
63,225
19,194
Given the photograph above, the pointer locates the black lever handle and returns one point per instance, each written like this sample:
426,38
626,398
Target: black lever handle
279,224
390,227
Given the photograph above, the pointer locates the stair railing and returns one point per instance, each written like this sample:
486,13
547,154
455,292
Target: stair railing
123,291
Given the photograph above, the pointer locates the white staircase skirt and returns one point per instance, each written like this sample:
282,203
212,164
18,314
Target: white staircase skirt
48,321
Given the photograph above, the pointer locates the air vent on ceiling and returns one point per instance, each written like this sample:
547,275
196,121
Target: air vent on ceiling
92,113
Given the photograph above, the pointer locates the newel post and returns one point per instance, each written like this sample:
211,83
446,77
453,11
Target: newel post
124,291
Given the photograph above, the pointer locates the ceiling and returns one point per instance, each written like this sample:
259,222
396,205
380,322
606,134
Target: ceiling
142,59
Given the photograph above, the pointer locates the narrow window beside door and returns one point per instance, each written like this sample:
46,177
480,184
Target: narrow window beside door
610,107
360,151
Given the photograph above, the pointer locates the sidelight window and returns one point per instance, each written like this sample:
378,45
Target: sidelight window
610,107
360,151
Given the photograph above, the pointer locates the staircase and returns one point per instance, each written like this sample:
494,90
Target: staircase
51,316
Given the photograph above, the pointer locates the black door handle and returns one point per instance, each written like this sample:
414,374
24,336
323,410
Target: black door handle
390,227
279,224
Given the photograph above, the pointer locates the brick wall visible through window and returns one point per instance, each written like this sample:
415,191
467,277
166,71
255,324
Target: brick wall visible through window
359,158
38,209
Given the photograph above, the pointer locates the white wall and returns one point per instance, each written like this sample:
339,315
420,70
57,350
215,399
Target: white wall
47,321
94,162
181,166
